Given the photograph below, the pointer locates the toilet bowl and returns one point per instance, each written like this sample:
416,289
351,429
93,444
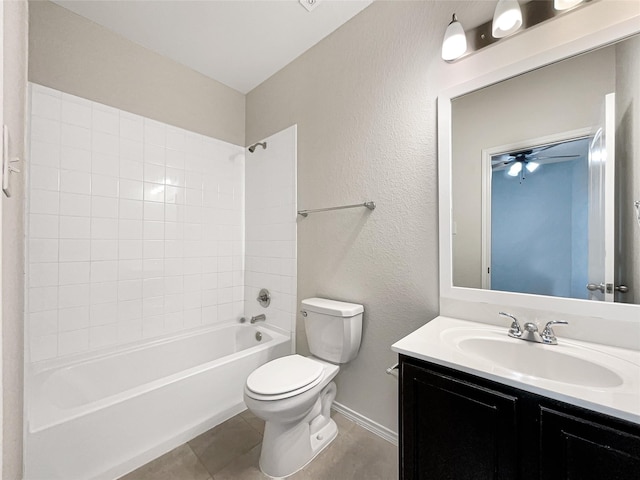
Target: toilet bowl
298,420
294,394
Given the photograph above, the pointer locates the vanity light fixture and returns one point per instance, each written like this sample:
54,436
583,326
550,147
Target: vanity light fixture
507,18
565,4
454,44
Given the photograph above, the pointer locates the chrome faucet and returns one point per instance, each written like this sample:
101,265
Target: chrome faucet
530,331
548,335
258,318
515,331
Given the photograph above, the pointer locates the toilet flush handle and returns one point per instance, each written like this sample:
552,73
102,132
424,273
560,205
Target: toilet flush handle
304,313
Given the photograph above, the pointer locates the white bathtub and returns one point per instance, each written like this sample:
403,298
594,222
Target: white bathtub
101,417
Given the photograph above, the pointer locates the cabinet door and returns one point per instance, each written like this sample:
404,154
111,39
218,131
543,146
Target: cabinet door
574,448
455,430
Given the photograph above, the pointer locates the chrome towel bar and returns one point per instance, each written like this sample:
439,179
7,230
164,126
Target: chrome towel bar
369,205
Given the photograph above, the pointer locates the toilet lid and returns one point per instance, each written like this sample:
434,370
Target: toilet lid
284,374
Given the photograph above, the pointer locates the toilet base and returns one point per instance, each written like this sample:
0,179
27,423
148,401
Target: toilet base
288,447
283,461
323,438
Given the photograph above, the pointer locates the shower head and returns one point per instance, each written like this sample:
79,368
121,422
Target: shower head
252,148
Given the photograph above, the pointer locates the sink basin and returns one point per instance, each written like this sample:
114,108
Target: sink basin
551,362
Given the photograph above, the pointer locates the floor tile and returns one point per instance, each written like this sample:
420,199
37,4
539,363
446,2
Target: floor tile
231,451
179,463
357,454
255,422
344,424
244,467
221,445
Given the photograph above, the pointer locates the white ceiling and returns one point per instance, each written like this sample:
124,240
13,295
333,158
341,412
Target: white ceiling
240,43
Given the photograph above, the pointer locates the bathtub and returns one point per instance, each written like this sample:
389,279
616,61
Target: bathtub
100,417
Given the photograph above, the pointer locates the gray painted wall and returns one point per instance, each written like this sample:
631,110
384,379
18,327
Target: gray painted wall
14,103
74,55
364,100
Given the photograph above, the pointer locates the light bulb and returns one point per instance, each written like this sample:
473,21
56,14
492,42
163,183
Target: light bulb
515,169
454,43
532,166
507,18
565,4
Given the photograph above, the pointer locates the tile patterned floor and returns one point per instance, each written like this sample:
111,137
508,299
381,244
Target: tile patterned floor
231,451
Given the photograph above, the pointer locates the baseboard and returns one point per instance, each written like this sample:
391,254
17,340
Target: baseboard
374,427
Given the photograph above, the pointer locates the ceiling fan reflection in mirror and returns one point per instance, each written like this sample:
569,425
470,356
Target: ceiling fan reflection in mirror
519,163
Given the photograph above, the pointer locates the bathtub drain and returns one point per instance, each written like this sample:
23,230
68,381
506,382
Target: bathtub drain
258,336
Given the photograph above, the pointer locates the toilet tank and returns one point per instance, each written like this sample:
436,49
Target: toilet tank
333,328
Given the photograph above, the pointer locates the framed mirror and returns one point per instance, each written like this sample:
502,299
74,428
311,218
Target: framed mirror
539,174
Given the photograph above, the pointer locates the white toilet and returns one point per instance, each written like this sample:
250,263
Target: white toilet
293,394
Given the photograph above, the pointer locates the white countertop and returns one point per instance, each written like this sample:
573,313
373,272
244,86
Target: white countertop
432,343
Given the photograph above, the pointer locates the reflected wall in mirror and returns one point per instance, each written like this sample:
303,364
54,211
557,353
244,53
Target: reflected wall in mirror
537,207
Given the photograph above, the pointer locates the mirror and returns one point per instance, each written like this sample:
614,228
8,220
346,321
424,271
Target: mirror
536,206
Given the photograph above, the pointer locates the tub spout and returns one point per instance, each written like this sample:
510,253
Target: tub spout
258,318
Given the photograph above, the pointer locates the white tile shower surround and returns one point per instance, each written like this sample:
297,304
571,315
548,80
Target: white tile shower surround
270,228
134,228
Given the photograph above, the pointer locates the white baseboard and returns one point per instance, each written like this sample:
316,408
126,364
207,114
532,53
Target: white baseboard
374,427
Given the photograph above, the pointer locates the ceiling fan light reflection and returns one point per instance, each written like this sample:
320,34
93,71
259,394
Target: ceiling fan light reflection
515,169
532,166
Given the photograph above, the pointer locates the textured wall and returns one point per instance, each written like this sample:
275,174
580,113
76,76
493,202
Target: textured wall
15,84
74,55
364,100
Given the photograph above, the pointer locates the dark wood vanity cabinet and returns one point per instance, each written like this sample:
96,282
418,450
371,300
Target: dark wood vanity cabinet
587,447
455,426
453,429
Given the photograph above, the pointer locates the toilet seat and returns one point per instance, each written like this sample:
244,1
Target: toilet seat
284,377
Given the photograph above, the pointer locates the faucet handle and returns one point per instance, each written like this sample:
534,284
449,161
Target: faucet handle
514,330
548,335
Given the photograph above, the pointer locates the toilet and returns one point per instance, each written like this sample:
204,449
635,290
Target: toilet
293,394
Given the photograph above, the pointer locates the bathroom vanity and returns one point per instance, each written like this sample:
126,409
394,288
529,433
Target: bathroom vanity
456,425
476,403
464,414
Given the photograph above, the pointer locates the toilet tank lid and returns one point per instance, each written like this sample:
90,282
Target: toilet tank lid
332,307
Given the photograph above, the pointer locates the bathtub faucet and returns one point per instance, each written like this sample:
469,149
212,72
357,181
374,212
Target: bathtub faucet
258,318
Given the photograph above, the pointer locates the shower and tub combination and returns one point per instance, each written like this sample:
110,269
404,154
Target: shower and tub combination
143,254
